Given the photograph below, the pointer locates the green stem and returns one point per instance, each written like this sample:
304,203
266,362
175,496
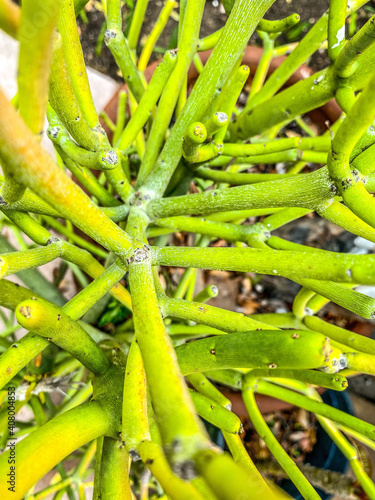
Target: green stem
52,323
149,99
226,321
348,182
353,340
171,92
319,408
346,62
67,27
215,414
345,268
118,45
336,28
239,27
135,426
177,489
275,447
114,475
9,17
136,23
158,28
63,434
266,349
180,429
35,168
206,388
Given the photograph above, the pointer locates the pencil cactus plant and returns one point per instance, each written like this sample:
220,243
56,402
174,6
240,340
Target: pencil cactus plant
139,414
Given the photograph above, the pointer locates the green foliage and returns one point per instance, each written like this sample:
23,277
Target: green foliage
173,163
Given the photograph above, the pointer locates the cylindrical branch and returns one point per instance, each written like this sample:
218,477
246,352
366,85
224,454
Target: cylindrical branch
240,454
122,107
346,337
105,159
136,23
10,15
114,471
209,292
340,294
349,183
279,25
305,190
230,232
11,294
149,99
322,143
348,450
188,38
29,226
51,322
59,437
105,280
13,262
346,62
292,101
19,354
241,24
209,41
327,266
305,48
135,426
180,428
333,381
32,203
334,414
287,463
116,42
336,27
216,414
65,103
35,168
234,232
265,349
201,383
341,215
152,455
360,362
34,280
36,44
286,105
226,321
33,70
228,479
227,377
159,26
67,27
193,148
239,179
364,162
228,97
108,279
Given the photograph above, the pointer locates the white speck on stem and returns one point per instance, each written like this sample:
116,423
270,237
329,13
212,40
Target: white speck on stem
340,37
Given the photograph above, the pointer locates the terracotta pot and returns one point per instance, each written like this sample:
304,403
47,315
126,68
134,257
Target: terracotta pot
329,112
